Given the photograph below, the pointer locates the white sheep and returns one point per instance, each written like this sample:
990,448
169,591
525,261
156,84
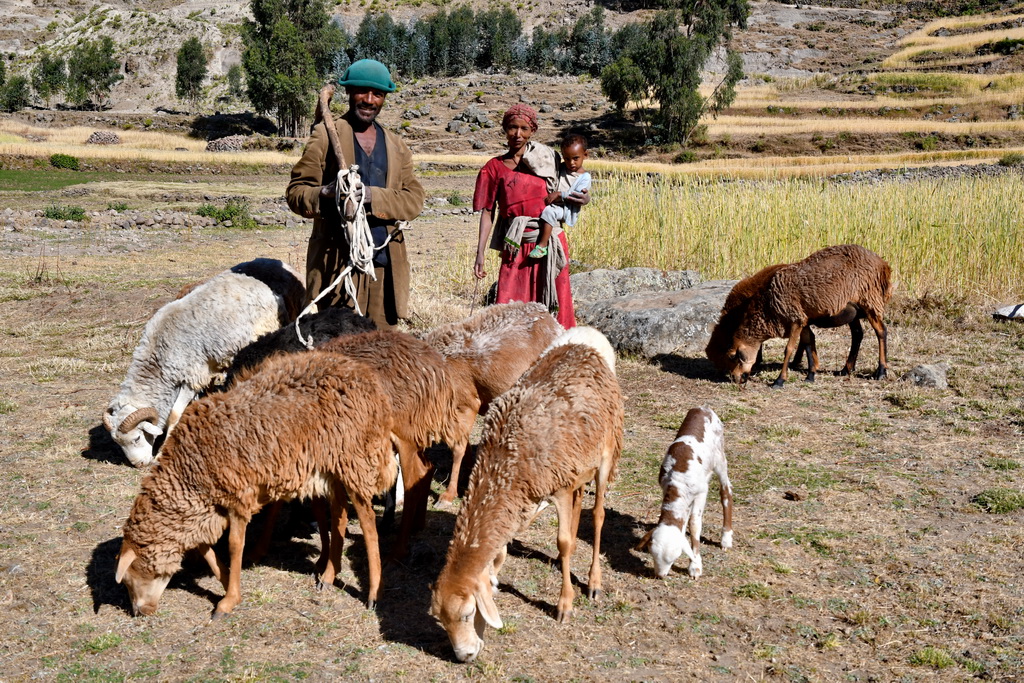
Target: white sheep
697,452
190,342
557,428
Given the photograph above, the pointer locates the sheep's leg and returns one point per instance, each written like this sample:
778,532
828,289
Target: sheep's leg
496,565
335,540
725,493
219,570
594,584
181,401
236,545
564,504
759,361
810,345
878,325
856,336
368,523
794,339
416,476
321,514
696,525
467,418
262,545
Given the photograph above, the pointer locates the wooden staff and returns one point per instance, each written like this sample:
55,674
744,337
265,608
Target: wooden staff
323,113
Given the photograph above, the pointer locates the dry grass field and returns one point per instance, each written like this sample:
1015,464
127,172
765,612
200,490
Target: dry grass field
878,525
875,532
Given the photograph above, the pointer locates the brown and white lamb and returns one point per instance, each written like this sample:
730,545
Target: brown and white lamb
491,350
697,452
834,286
315,424
557,428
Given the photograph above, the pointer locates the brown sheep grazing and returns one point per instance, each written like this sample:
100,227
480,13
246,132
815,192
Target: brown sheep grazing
558,428
491,350
429,406
315,424
835,286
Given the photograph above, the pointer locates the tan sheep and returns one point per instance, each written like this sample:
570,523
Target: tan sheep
835,286
558,428
429,405
491,350
315,424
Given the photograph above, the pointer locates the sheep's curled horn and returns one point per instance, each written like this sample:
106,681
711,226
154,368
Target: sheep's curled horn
140,415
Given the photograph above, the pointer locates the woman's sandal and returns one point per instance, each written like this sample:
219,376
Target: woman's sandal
539,252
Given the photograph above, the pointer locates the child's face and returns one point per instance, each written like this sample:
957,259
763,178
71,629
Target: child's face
573,157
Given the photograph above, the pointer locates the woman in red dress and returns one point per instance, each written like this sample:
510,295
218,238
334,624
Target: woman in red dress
502,182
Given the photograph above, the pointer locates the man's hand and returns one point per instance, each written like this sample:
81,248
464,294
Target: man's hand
328,191
581,198
553,197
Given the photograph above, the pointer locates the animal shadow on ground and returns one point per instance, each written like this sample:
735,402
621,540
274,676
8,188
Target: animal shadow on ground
404,605
99,575
691,368
617,538
102,448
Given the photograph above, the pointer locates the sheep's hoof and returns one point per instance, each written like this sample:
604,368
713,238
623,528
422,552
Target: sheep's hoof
563,615
777,384
810,377
443,503
594,594
217,616
879,373
371,605
845,372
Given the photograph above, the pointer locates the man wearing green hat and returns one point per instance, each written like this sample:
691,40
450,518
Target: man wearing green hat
393,194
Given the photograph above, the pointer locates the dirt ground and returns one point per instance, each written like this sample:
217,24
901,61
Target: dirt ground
860,554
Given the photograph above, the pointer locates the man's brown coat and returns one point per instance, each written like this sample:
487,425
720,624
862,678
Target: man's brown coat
382,300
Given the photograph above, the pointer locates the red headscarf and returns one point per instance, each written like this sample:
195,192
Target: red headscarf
520,111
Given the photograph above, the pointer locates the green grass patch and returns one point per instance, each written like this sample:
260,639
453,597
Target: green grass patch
754,591
7,406
999,501
1000,464
934,657
815,539
755,476
1012,159
41,180
101,643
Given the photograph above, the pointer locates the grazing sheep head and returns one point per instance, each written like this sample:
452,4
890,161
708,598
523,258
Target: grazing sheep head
144,584
464,614
736,362
136,433
667,543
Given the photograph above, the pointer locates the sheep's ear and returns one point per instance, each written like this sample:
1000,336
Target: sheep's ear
485,604
124,561
150,428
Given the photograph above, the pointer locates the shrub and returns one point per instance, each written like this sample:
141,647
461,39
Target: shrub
117,206
64,161
455,199
235,210
1011,159
59,212
927,143
687,156
935,657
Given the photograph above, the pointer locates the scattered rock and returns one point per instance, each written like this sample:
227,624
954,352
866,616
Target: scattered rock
231,143
599,284
104,137
652,324
933,376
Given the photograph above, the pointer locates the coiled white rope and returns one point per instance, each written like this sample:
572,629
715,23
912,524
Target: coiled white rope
351,192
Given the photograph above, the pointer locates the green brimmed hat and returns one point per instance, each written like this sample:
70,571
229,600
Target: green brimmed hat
368,73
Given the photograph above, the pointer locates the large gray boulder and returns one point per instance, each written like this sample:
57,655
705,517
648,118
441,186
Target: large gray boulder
599,284
653,324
